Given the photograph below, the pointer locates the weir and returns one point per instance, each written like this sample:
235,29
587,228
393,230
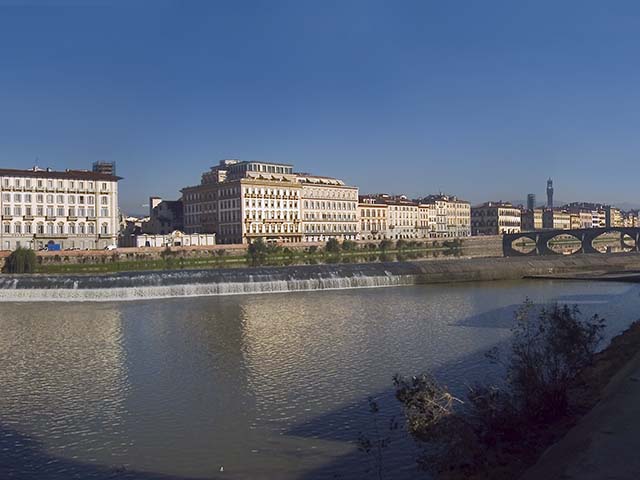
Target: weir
190,283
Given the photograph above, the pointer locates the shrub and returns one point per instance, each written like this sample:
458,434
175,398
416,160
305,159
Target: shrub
332,246
21,260
546,354
257,252
385,244
348,245
400,244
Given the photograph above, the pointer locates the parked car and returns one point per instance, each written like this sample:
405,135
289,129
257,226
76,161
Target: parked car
110,247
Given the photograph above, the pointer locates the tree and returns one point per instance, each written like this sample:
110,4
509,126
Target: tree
21,260
348,245
332,246
545,357
385,244
257,252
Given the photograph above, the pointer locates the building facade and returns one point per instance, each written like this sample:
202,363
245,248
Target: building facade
495,218
241,201
556,219
329,209
452,216
373,219
531,220
71,208
165,216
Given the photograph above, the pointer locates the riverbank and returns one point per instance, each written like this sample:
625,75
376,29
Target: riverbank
236,256
606,401
229,281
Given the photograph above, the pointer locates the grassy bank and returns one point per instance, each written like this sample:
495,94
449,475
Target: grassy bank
267,255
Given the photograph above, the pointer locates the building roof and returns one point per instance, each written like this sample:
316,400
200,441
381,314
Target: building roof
66,174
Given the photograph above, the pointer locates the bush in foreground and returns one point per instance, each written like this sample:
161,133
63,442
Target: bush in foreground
547,352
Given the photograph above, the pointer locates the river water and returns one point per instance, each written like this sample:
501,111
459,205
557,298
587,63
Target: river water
270,386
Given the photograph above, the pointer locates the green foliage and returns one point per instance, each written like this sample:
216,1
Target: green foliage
349,245
257,252
332,246
385,244
21,260
401,244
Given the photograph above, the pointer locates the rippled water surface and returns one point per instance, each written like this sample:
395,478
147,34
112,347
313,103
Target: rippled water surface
263,386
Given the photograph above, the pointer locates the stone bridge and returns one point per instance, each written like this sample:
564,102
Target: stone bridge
585,236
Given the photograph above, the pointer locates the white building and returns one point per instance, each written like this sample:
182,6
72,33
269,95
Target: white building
329,209
173,239
241,201
71,208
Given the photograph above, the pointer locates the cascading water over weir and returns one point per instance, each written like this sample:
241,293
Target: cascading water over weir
189,283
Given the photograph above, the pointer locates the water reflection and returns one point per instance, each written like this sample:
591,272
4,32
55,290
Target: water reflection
265,386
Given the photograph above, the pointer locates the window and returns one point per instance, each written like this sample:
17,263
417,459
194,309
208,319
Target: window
40,228
49,198
27,198
28,210
91,212
50,183
72,228
7,211
72,199
6,197
104,212
91,228
6,182
39,210
49,211
81,199
104,200
17,228
60,198
7,228
90,200
60,212
17,211
27,228
17,198
104,186
60,229
60,183
28,183
81,230
49,228
39,198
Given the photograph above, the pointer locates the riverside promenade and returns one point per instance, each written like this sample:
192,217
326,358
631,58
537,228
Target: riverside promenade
605,442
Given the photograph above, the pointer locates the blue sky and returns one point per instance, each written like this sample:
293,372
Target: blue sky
484,99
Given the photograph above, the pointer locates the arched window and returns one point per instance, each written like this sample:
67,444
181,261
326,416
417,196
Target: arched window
72,228
104,229
40,228
17,227
81,229
91,229
49,228
60,229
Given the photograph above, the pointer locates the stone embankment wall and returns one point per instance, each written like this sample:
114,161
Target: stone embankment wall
471,247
